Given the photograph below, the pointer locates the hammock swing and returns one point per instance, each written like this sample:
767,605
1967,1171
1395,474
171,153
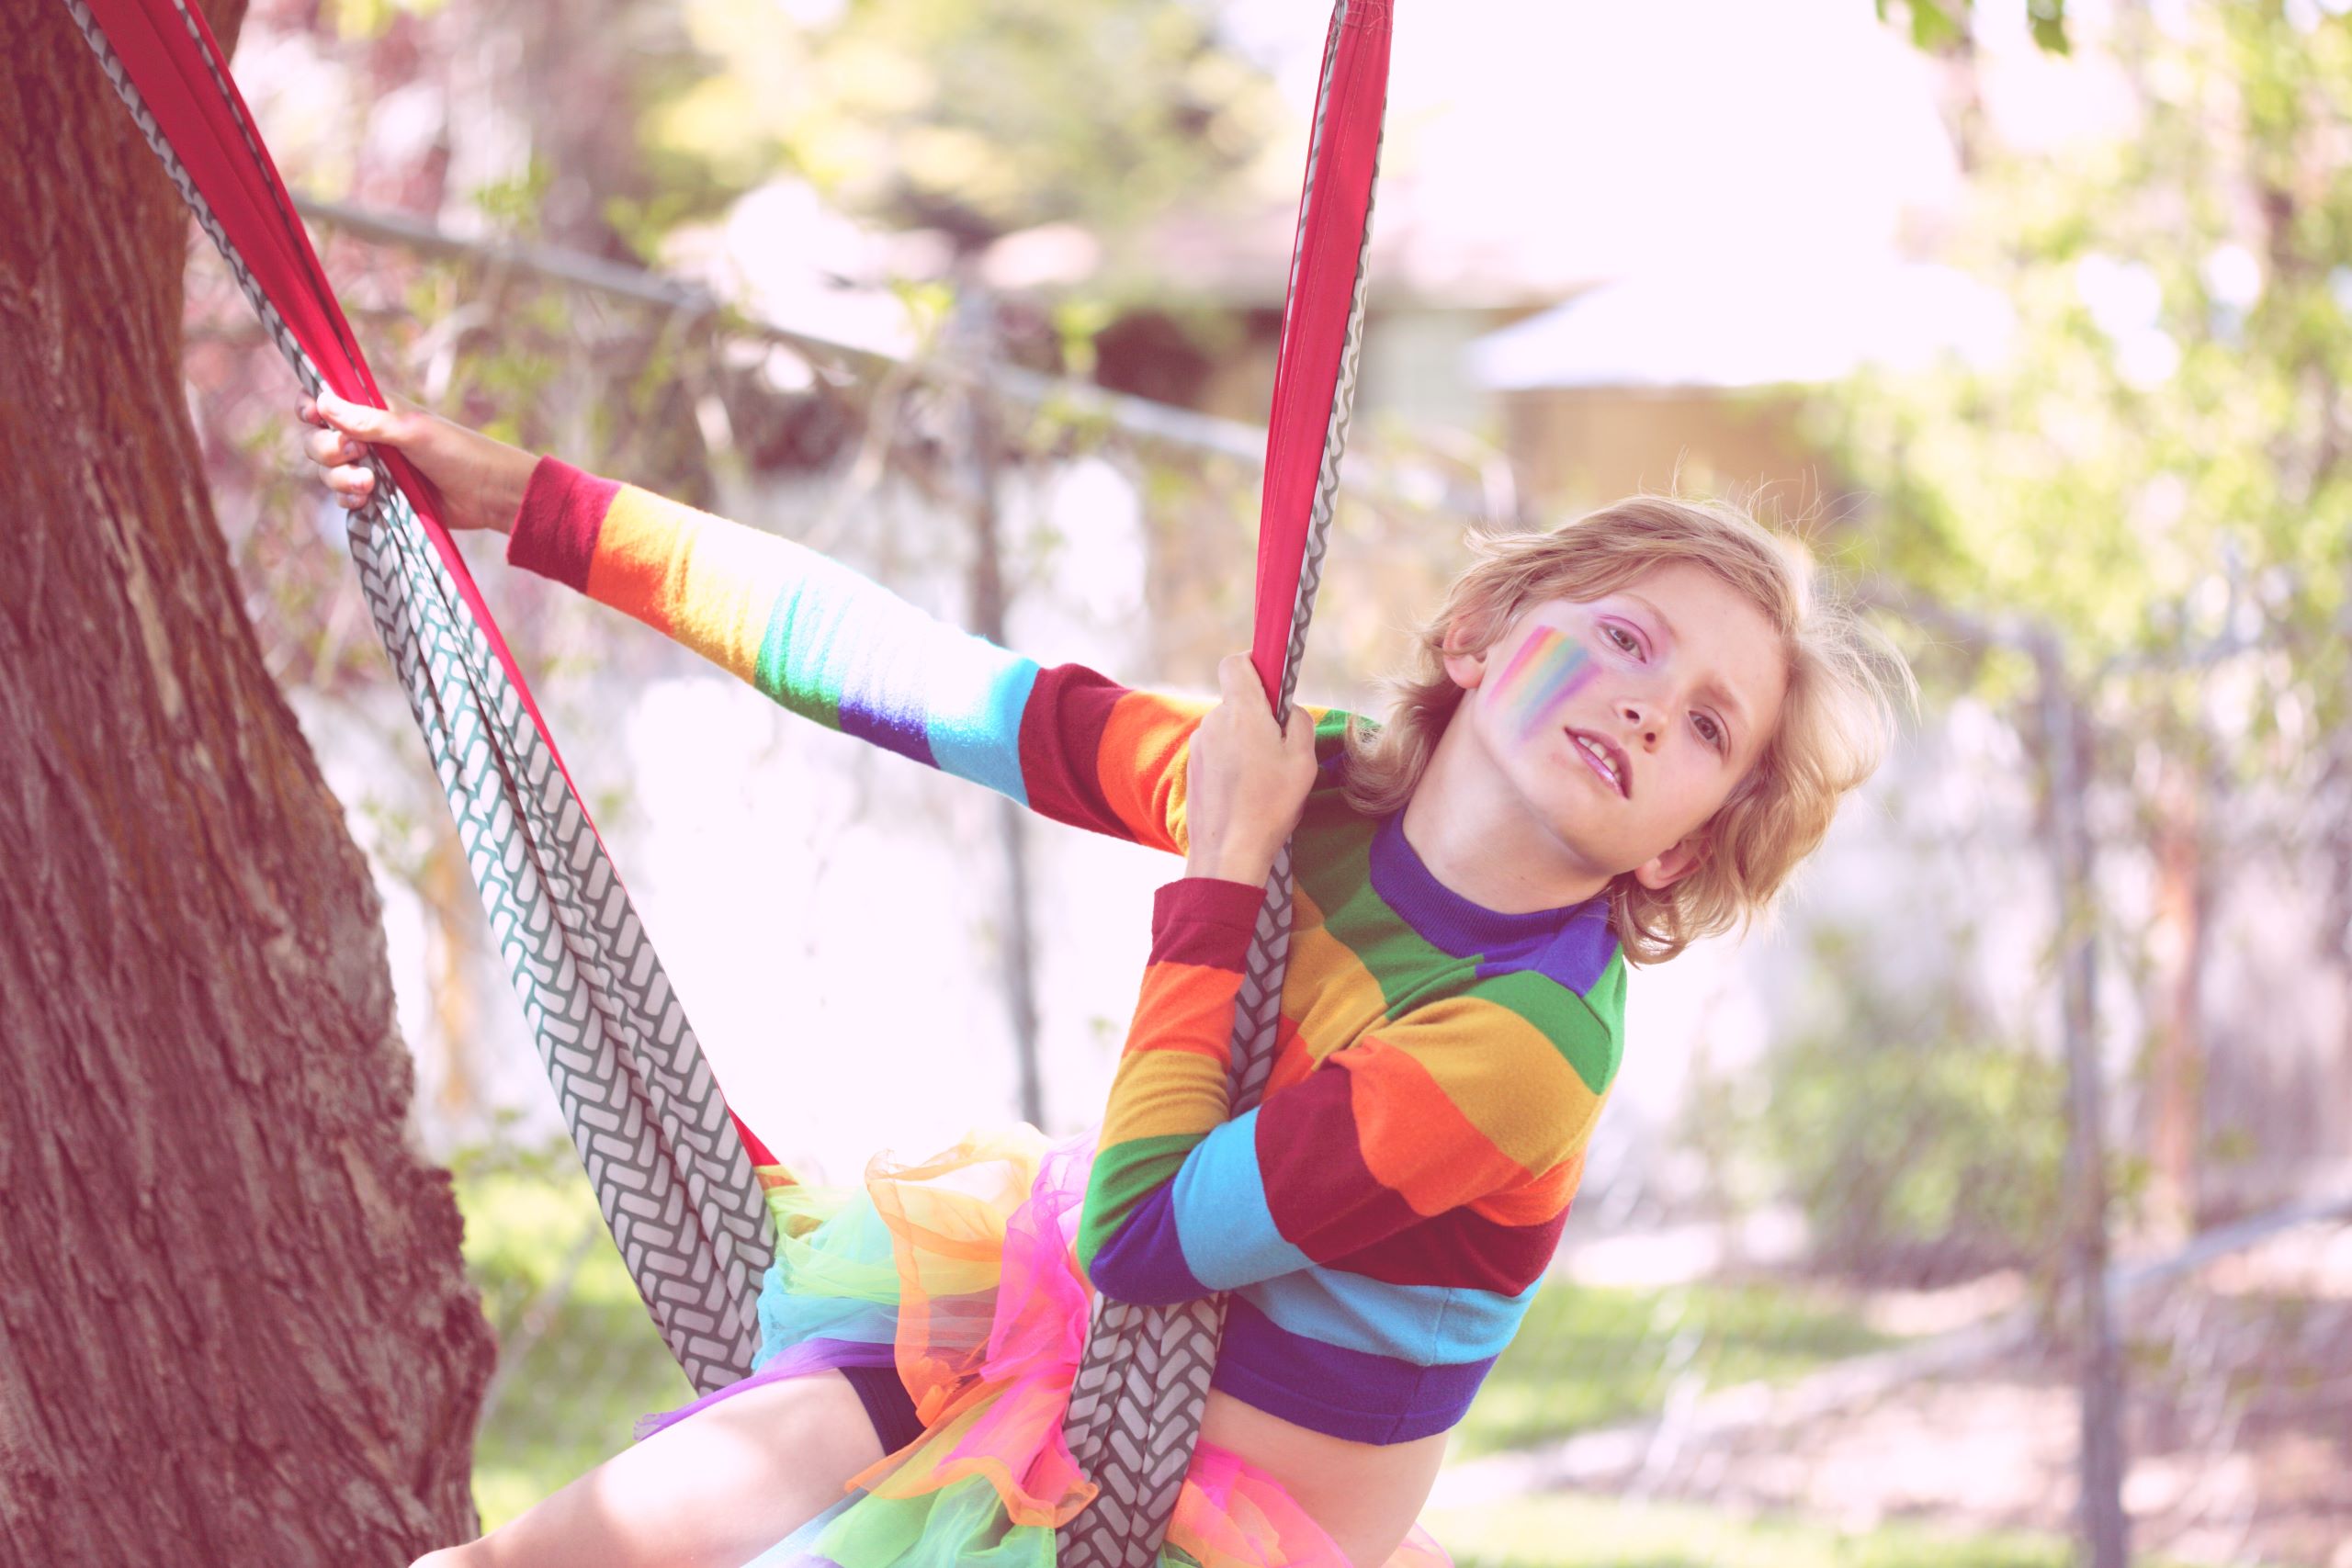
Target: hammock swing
673,1166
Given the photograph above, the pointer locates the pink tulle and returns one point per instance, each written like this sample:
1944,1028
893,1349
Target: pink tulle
992,1319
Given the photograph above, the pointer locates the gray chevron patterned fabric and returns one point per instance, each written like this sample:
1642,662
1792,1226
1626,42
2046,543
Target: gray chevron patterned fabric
671,1174
673,1180
1136,1403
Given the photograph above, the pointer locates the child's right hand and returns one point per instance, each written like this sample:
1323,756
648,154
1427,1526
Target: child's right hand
1247,779
481,481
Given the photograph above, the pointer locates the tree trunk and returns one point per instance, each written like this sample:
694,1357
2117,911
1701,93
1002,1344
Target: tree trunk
2106,1538
2175,1112
233,1324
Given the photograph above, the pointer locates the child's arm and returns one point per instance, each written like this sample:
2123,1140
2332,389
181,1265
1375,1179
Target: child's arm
1468,1101
840,649
1459,1104
811,633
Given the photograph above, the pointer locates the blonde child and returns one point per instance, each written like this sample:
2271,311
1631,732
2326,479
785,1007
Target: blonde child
1618,737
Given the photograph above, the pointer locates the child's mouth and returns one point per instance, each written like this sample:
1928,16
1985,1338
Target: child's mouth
1602,759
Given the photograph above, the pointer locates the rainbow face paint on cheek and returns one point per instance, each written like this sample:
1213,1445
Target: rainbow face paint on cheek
1548,668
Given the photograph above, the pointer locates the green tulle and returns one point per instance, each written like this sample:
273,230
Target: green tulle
962,1526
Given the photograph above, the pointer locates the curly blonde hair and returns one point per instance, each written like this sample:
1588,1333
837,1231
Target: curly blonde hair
1837,718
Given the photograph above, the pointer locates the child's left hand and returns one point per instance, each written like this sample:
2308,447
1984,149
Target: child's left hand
1246,781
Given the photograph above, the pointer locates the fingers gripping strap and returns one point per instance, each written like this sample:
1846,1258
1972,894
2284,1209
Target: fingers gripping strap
1136,1402
671,1171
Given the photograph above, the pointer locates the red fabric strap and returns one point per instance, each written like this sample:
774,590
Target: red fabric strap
168,50
1334,208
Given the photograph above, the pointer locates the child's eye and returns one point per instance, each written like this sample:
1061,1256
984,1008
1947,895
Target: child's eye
1625,640
1711,732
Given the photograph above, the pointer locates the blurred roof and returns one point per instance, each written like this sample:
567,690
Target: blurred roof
1741,325
1536,146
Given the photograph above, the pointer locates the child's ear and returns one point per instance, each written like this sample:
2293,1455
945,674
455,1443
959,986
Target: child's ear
1465,669
1672,865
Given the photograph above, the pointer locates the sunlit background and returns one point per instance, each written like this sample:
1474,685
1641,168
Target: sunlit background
2033,318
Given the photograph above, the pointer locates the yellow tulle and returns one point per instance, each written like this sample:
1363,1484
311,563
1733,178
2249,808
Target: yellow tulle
964,1264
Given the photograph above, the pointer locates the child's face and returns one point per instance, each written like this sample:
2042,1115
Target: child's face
1622,724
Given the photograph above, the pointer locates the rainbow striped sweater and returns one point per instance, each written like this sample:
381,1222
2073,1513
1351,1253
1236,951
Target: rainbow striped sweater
1383,1217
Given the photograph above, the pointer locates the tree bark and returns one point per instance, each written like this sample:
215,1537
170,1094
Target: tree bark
233,1322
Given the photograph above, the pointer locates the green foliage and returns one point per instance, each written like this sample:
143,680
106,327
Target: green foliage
2157,471
511,206
1592,1356
2159,463
554,1288
1941,24
642,222
1917,1139
977,120
1077,324
373,18
928,305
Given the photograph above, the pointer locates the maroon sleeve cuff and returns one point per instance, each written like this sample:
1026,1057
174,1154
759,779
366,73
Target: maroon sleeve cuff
555,530
1205,920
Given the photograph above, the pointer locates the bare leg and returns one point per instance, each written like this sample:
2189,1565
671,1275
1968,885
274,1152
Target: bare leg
712,1492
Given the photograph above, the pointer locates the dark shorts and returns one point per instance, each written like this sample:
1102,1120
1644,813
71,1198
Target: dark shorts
887,1404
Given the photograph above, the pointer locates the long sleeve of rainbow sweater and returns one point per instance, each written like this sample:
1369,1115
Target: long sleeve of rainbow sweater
1384,1216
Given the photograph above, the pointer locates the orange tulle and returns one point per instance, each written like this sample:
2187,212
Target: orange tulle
991,1313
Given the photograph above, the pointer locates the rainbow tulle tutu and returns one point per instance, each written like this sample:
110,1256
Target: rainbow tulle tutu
959,1271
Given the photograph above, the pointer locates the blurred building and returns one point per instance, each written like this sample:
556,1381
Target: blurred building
1659,208
1699,373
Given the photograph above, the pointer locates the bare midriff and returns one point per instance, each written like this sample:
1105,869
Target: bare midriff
1366,1495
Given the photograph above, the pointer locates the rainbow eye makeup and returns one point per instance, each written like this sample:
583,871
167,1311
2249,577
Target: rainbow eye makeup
1548,668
